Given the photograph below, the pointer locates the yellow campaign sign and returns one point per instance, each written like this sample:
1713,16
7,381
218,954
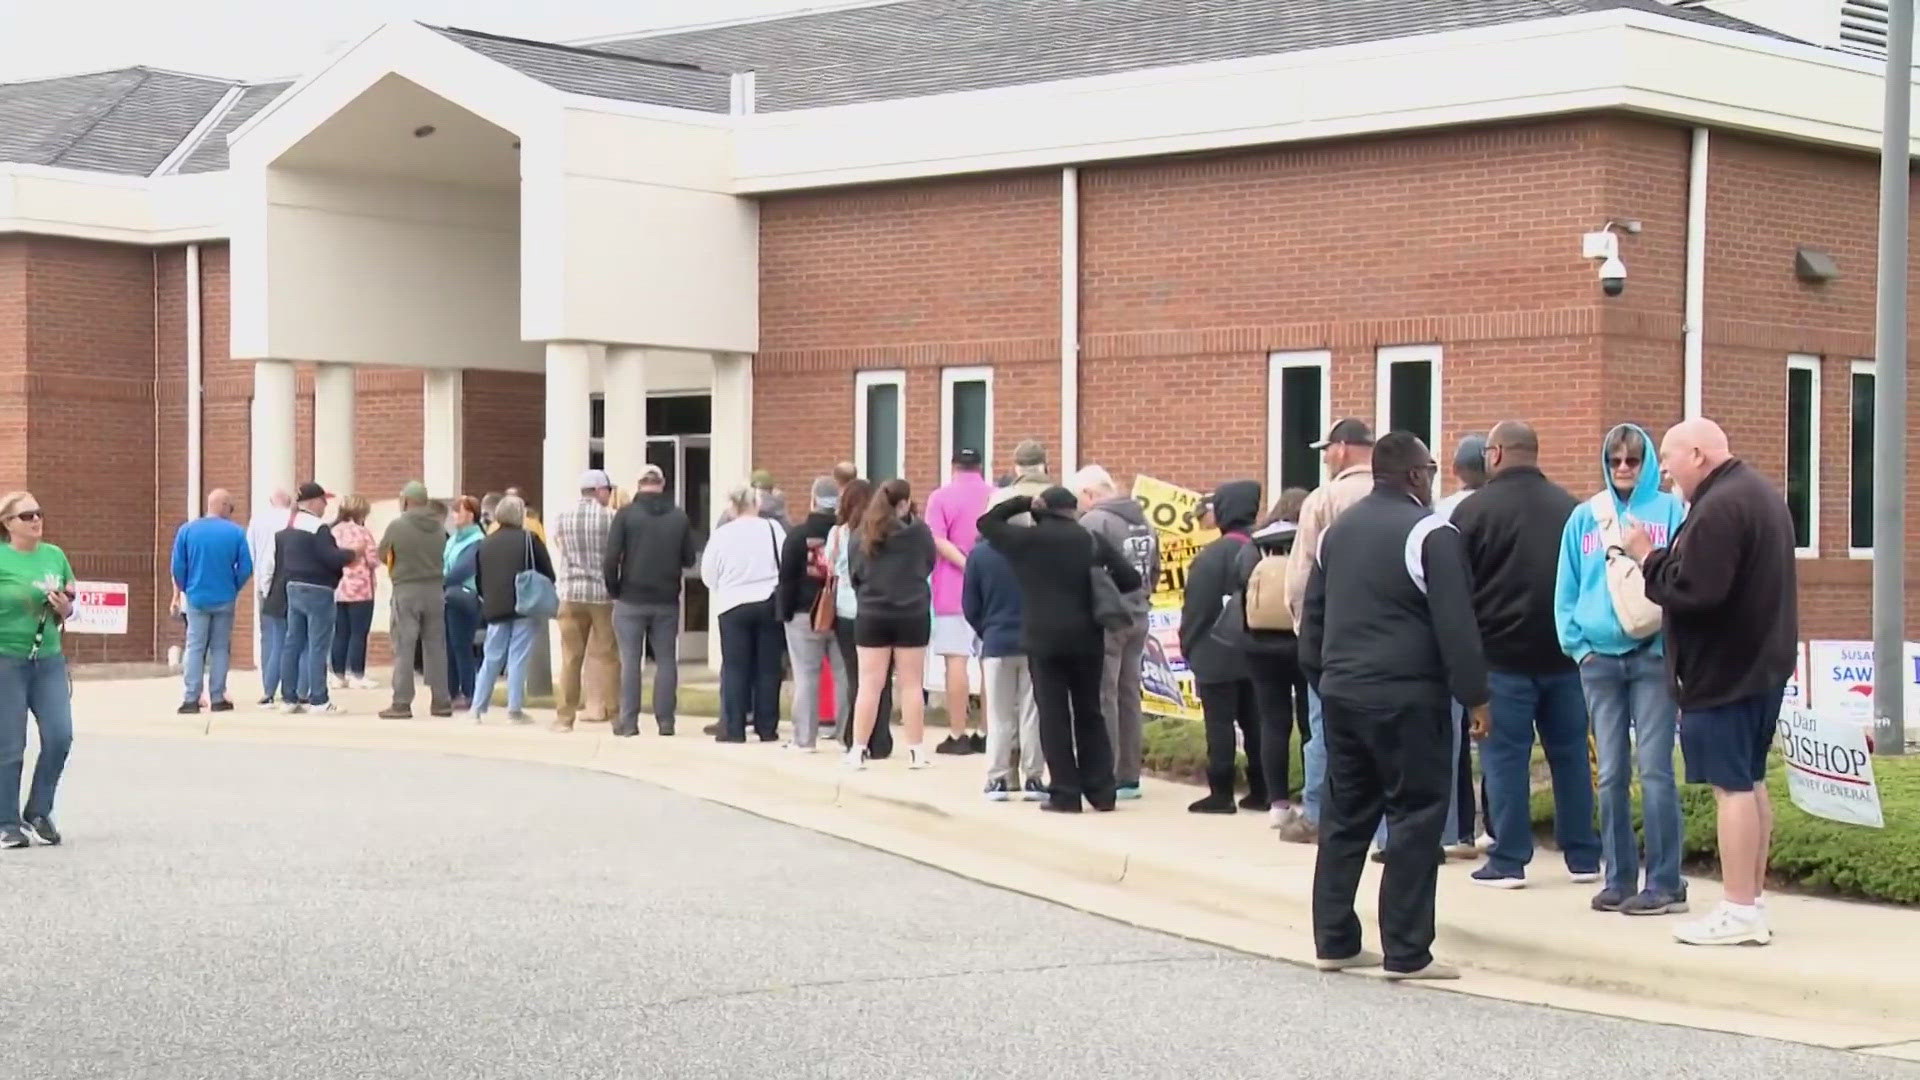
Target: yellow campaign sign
1166,686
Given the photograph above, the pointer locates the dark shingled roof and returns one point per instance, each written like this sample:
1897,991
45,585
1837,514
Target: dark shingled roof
130,121
682,85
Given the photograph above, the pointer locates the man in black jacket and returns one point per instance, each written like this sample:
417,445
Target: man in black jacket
803,574
305,553
649,549
1729,588
1512,529
1214,650
1054,559
1389,638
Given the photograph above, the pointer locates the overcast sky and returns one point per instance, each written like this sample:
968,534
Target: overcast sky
258,39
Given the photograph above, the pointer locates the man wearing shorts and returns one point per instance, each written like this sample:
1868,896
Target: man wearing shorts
1728,586
952,511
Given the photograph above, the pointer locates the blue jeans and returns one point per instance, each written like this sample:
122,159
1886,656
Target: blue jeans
1634,716
509,644
463,621
352,621
1313,759
303,658
1553,703
209,650
39,686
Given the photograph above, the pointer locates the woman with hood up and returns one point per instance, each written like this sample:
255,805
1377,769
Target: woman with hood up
1213,638
1606,625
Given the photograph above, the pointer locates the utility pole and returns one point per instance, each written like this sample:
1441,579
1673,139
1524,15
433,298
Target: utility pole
1890,393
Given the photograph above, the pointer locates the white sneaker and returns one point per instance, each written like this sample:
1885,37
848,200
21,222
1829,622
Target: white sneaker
917,758
1583,877
1278,815
363,683
855,758
1483,842
476,717
329,707
337,682
1725,926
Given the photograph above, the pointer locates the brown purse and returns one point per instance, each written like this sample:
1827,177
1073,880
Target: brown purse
824,611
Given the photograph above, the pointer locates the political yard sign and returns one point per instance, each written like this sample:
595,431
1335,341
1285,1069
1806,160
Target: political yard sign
1830,767
99,607
1840,682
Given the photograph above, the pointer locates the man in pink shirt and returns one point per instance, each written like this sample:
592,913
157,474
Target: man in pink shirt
952,512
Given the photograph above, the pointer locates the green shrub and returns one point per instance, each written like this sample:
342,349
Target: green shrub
1808,852
1176,749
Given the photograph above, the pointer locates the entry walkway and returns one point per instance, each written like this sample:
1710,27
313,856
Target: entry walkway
1838,974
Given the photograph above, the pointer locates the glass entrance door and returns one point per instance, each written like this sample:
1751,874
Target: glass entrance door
686,462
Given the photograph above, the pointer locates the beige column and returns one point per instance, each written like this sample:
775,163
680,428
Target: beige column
732,455
625,397
443,401
333,435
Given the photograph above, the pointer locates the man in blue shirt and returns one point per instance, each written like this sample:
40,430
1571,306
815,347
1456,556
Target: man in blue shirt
211,562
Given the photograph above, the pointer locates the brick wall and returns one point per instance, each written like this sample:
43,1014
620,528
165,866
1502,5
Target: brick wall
503,426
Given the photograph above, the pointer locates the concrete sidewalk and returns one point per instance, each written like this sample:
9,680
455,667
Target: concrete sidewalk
1838,974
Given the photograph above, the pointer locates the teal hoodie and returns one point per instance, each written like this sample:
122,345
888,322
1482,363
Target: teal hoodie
1582,608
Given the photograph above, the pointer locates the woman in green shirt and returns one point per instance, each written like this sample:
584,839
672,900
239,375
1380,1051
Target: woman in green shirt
36,596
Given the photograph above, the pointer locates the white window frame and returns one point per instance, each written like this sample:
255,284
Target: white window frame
862,380
949,377
1277,364
1858,367
1808,363
1384,358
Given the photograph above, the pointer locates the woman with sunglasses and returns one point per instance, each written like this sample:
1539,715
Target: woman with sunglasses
36,596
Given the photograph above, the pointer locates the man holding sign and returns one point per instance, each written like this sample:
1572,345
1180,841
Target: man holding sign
1728,587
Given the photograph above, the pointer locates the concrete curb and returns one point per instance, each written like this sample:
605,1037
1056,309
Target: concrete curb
1260,904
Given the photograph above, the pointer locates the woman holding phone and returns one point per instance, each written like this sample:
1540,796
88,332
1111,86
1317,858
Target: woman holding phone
36,596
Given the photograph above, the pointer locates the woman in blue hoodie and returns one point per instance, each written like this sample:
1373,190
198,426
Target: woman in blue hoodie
1609,629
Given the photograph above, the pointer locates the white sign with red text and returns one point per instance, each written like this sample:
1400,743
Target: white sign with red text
1830,767
99,607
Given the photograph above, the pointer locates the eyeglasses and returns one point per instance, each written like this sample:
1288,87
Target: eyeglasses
1622,462
26,515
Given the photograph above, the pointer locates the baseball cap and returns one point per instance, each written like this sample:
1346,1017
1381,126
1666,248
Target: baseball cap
1029,453
651,474
595,478
967,456
1352,431
311,490
415,491
1059,498
762,479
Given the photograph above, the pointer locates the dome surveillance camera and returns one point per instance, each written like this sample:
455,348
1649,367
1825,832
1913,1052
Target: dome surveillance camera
1613,276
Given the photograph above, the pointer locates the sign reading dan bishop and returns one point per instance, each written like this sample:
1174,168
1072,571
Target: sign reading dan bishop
1830,767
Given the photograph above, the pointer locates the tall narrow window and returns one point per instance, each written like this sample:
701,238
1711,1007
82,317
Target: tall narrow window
879,423
966,416
1860,434
1803,451
1407,394
1298,413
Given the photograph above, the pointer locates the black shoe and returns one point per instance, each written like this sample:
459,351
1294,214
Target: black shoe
769,736
1250,802
624,733
730,738
222,706
955,744
1059,808
189,708
1212,804
666,728
711,729
11,837
40,827
268,700
978,742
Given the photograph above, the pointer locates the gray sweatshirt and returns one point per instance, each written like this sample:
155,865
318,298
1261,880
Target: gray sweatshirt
1124,524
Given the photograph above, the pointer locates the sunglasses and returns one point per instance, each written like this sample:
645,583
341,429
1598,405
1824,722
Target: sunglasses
1621,462
26,515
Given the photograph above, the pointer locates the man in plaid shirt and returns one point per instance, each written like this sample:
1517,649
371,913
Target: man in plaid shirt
586,608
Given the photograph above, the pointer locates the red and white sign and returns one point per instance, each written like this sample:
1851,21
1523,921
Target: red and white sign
1830,768
99,607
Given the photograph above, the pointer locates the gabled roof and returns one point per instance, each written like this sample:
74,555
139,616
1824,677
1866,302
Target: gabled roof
597,73
125,121
210,153
917,47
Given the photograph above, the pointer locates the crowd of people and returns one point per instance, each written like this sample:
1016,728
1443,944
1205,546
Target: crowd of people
1392,632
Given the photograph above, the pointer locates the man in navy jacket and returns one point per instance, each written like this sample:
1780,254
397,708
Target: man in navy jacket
990,600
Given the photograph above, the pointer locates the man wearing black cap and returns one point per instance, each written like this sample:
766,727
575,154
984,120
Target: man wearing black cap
1054,561
1348,451
311,563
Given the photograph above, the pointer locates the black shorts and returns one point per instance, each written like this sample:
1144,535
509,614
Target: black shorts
1727,745
892,631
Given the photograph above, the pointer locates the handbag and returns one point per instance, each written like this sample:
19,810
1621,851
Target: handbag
1109,607
1626,586
824,612
534,596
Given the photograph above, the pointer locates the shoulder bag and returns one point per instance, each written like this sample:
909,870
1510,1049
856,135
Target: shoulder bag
534,595
824,611
1109,607
1626,586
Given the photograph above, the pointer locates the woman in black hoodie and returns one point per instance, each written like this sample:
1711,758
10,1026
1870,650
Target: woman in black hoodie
1054,560
890,564
1273,658
1215,649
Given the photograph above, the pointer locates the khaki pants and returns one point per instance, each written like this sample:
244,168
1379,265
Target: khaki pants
586,629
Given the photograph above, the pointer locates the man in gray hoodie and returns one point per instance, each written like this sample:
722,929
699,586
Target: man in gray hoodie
1119,518
411,550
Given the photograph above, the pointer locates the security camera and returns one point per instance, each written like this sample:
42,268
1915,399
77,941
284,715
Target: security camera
1613,276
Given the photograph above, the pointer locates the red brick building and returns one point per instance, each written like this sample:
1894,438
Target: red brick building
1179,252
